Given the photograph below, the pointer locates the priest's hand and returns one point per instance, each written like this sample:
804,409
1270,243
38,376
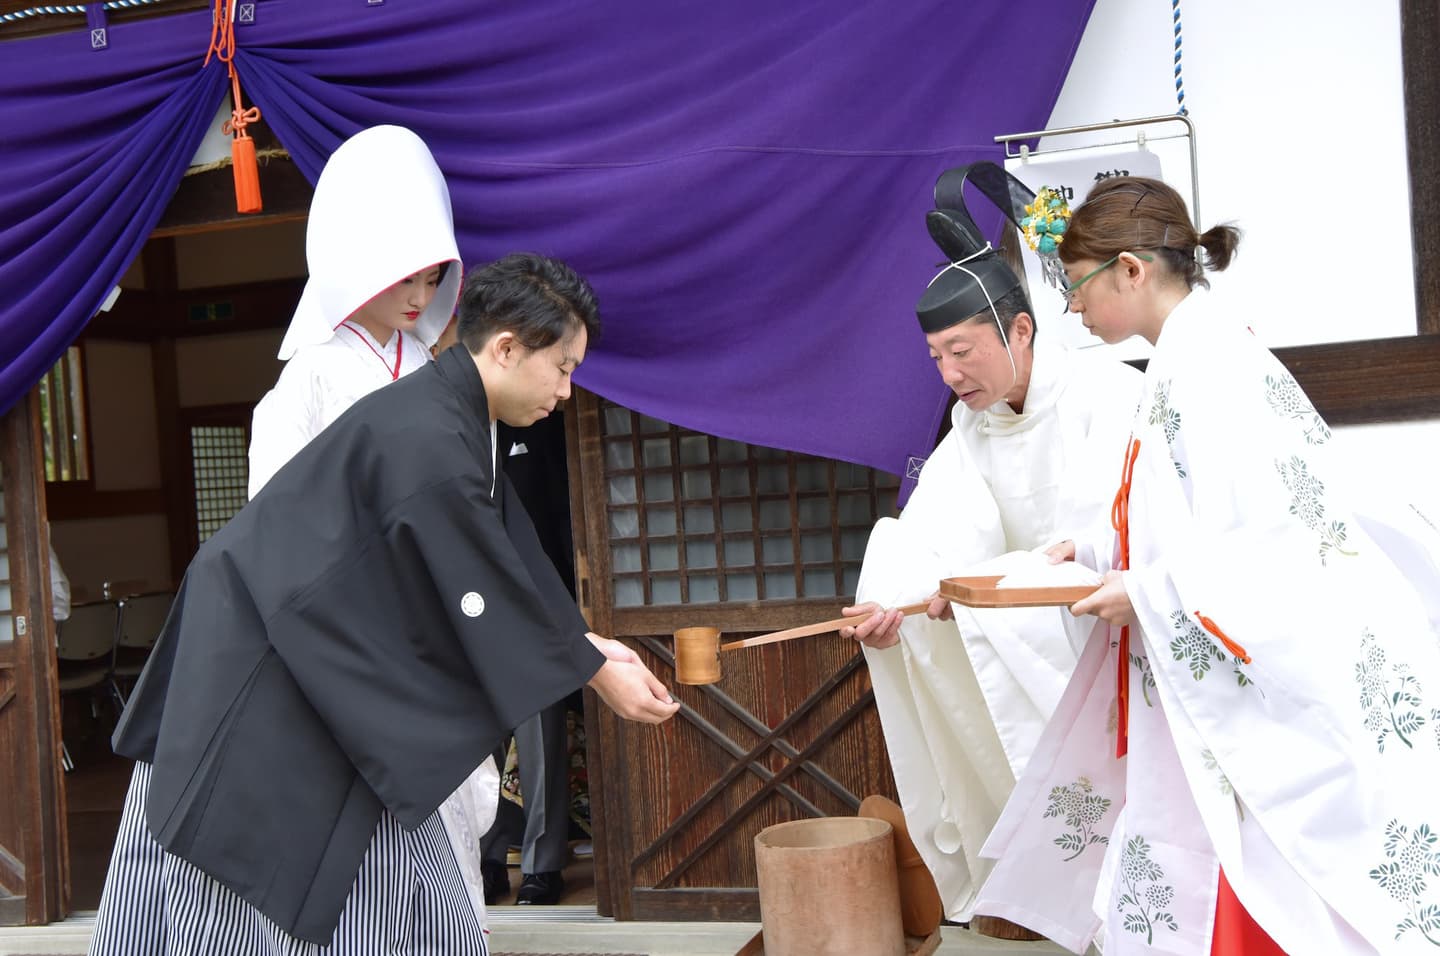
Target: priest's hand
1061,551
627,686
1110,603
880,628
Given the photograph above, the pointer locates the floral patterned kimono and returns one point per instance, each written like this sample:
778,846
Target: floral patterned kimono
1278,704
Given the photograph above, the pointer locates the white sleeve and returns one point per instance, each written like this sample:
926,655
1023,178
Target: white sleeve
1112,391
59,589
284,422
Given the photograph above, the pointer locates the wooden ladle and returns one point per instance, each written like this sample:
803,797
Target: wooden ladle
697,649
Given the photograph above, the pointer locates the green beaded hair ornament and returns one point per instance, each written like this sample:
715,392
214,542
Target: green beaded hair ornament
1046,220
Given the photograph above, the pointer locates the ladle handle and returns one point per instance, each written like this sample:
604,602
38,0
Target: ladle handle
806,630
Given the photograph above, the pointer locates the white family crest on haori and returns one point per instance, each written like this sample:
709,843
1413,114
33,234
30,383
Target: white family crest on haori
472,604
1283,710
963,701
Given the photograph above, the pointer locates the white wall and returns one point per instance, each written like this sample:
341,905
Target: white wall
238,256
1299,114
227,369
124,437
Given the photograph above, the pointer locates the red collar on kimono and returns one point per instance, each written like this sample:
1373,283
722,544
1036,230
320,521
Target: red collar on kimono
399,349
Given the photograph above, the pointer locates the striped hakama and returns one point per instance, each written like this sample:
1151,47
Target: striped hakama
408,900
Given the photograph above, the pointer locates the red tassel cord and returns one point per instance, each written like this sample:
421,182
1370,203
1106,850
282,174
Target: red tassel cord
242,147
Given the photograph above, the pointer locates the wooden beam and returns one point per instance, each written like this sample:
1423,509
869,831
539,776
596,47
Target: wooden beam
1378,380
74,501
1420,65
699,904
158,263
205,201
143,315
173,440
732,617
1368,381
604,750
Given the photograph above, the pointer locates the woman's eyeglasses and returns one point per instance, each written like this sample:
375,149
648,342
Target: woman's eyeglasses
1069,292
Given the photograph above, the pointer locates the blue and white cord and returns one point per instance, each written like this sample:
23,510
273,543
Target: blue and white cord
70,8
1179,80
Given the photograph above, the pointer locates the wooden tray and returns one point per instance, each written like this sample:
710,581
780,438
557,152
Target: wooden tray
982,592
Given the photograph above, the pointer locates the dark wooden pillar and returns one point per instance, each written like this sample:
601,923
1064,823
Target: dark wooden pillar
1419,37
32,830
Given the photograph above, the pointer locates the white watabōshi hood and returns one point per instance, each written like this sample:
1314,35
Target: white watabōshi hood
381,212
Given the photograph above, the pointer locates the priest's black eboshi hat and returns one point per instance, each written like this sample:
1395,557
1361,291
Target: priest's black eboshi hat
976,277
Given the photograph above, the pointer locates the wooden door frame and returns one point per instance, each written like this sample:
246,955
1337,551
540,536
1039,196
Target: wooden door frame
594,599
31,655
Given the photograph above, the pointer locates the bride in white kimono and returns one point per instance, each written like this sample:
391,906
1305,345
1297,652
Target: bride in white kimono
1245,760
384,276
964,693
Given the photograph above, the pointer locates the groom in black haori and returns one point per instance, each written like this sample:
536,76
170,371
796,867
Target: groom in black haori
346,651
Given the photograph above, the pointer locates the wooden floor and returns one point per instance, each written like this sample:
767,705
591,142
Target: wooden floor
95,795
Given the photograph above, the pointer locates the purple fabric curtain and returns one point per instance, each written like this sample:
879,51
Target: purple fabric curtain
92,146
744,183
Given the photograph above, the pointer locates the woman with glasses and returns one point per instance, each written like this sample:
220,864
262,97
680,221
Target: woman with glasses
1271,671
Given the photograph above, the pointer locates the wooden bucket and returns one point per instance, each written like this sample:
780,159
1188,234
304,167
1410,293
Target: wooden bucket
828,885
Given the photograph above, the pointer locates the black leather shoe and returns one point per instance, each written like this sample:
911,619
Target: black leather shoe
496,880
541,889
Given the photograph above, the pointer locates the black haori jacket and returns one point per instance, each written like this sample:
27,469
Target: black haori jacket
359,636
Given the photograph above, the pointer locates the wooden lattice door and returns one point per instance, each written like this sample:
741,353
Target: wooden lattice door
676,528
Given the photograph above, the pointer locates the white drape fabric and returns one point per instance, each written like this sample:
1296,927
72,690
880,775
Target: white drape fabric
1308,771
962,702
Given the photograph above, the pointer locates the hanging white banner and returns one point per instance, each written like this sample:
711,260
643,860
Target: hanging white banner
1073,173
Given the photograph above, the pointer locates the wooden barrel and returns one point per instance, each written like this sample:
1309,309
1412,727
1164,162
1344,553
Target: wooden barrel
828,885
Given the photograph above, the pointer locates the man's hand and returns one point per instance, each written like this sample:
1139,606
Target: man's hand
1111,603
878,628
626,685
613,650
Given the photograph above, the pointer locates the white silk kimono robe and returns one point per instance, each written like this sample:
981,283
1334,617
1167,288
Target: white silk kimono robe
1284,690
319,382
962,702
